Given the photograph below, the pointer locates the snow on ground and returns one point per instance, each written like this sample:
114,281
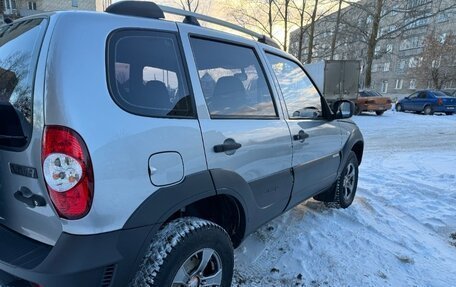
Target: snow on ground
398,232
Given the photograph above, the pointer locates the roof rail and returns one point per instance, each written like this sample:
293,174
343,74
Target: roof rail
192,18
154,11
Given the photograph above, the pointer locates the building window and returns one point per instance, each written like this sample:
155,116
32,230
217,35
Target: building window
32,5
374,68
74,3
412,84
377,50
386,67
399,83
413,62
389,48
402,65
385,87
10,4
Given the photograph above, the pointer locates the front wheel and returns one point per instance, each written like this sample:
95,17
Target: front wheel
344,190
188,252
399,108
379,113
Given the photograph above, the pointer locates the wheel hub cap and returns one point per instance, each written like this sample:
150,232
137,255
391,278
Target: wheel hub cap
349,180
194,282
202,269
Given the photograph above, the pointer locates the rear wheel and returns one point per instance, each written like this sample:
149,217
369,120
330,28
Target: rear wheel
448,113
379,113
343,193
399,108
188,252
428,110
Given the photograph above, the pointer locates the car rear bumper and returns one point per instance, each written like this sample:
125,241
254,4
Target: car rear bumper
445,109
375,107
108,259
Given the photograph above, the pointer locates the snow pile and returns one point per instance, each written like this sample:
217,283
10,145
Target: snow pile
400,231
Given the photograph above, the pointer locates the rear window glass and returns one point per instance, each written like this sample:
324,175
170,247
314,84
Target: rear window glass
439,94
19,46
146,74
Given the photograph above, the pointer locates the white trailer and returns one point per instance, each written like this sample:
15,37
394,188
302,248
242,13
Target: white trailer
336,79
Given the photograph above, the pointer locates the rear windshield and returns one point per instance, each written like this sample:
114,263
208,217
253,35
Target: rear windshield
439,94
370,94
19,46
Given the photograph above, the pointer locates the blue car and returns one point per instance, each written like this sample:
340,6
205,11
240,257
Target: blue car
428,102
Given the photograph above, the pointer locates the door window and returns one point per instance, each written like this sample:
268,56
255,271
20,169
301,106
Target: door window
233,82
301,97
146,74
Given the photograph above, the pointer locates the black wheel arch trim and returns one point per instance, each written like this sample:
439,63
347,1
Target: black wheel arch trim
354,141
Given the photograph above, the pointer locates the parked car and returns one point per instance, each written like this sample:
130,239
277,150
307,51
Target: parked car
139,152
372,101
450,92
428,102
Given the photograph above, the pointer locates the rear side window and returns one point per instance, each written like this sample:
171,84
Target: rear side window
232,80
146,75
19,47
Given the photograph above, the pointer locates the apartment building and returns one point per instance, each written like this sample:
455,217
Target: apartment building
23,8
402,31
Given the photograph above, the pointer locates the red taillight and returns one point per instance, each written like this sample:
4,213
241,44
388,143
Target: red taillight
439,102
68,171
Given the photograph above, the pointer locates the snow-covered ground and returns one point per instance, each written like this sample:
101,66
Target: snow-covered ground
396,233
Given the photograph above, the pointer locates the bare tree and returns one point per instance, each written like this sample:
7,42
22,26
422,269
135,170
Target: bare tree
408,15
261,15
301,12
336,30
310,44
283,8
438,64
190,5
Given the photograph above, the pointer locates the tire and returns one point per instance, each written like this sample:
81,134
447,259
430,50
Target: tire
399,108
379,113
338,197
428,110
187,250
449,113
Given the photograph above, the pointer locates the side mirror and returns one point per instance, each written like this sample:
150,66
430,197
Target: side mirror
344,109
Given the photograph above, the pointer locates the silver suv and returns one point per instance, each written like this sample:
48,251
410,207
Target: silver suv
136,151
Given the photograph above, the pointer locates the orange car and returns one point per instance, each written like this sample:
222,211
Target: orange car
372,101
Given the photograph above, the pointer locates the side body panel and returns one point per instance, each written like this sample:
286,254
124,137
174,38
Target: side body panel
316,158
264,160
120,143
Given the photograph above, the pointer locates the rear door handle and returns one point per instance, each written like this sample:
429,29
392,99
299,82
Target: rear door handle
229,146
301,136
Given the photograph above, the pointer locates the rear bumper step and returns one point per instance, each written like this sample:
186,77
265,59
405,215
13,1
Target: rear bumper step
74,261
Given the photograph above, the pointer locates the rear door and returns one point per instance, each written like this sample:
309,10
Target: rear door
24,205
240,119
316,140
422,100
